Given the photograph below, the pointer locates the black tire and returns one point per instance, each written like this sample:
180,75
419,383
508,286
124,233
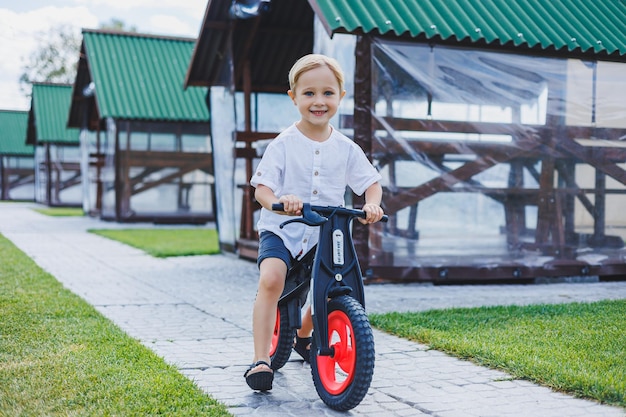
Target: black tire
342,380
282,340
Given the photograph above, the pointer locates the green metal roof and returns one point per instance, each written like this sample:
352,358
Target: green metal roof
141,77
562,27
13,134
47,118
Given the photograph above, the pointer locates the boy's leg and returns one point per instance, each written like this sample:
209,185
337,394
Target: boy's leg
271,284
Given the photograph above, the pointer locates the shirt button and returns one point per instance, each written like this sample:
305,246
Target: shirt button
317,152
305,240
316,173
314,192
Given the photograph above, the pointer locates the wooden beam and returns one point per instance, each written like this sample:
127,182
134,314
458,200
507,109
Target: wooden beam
594,157
164,180
448,179
242,136
203,161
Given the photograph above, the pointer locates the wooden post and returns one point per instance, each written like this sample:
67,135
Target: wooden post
362,134
100,158
247,217
48,167
599,211
4,189
117,180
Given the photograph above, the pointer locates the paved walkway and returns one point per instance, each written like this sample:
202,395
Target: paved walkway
195,312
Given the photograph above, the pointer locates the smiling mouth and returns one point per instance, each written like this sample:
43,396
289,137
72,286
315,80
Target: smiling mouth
318,112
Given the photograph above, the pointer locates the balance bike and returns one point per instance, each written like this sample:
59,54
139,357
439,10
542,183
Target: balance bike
342,349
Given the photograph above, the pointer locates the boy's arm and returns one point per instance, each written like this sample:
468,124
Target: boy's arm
373,198
266,197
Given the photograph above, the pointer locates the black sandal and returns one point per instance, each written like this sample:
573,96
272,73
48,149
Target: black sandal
260,380
302,346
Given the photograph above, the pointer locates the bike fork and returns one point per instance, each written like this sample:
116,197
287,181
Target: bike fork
336,272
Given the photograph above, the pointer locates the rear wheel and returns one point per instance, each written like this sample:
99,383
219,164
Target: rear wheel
343,378
282,339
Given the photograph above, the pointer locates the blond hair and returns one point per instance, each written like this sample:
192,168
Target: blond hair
312,61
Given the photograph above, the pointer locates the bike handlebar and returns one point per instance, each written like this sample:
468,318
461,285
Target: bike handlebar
328,210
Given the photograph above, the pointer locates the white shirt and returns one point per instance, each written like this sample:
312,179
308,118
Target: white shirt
317,172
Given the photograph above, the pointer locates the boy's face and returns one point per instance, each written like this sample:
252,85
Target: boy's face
317,96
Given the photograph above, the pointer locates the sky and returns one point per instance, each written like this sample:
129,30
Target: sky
23,21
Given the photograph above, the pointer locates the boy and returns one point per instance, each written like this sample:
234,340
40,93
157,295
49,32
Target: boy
309,161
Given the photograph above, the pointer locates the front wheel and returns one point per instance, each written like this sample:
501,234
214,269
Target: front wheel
282,339
342,379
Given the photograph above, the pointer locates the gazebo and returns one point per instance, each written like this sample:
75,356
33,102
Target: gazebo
57,154
499,128
151,156
17,169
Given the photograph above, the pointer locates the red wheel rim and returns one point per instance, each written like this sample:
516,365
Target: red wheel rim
276,334
337,371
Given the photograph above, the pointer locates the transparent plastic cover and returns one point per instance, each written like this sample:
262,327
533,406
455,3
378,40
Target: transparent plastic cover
492,158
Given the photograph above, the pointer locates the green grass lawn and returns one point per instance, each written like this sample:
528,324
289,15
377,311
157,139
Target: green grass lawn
61,211
166,242
60,357
58,354
576,348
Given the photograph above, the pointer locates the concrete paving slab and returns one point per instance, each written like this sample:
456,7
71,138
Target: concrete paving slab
195,312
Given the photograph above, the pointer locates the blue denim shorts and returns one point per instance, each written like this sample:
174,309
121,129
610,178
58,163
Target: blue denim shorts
272,246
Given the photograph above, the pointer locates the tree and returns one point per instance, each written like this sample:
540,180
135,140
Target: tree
54,61
117,24
56,58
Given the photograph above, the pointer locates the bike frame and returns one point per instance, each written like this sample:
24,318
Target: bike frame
335,271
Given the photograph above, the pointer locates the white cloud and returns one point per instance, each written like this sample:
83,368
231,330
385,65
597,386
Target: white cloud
12,98
148,16
19,30
189,7
170,25
19,36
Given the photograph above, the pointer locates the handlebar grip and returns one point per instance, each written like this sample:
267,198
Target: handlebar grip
383,219
281,207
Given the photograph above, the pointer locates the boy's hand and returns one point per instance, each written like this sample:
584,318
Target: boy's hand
292,204
374,213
